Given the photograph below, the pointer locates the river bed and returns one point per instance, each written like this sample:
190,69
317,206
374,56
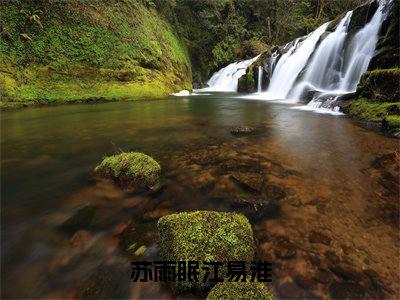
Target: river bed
329,214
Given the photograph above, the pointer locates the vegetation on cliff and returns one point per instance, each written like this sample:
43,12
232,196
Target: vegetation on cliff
88,50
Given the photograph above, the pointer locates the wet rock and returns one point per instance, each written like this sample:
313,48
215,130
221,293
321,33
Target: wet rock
242,130
249,182
257,210
284,248
346,290
346,272
105,217
81,219
320,238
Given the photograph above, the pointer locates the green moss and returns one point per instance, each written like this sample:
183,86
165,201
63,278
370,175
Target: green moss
247,83
205,236
380,85
393,121
131,168
240,291
86,50
370,110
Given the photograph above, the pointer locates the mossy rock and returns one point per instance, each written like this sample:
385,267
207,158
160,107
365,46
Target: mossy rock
133,171
380,85
240,290
391,122
205,236
369,110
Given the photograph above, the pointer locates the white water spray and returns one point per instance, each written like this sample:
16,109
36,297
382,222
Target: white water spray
226,79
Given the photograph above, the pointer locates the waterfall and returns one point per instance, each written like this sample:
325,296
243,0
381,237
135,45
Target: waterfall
332,69
324,70
291,64
259,80
226,79
361,51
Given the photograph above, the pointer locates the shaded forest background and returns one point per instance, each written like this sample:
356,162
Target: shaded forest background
219,32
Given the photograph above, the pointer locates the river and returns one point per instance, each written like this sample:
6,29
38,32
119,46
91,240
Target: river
332,191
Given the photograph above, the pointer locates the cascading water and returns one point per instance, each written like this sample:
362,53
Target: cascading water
291,63
327,65
259,80
335,66
324,70
226,79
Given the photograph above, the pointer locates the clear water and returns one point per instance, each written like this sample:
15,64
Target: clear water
323,163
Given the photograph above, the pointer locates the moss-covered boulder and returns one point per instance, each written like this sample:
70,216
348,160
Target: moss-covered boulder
132,171
205,236
240,290
380,85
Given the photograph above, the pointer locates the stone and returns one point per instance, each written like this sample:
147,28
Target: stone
242,130
132,171
81,219
205,235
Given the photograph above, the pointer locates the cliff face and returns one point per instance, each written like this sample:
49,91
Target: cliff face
61,51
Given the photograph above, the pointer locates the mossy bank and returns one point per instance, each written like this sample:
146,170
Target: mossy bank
89,50
377,100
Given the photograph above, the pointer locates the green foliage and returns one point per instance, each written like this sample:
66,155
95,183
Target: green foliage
240,291
393,121
205,236
132,165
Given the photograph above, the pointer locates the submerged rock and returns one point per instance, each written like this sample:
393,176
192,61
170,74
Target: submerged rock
105,282
240,290
241,130
133,171
205,236
81,219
